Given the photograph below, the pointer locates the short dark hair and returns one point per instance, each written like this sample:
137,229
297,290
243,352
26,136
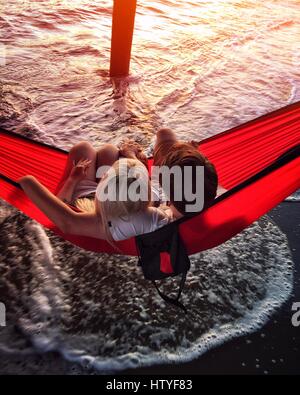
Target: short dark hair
185,154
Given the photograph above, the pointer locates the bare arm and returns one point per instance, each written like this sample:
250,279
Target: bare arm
67,190
68,221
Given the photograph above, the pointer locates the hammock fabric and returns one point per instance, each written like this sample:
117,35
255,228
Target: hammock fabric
258,162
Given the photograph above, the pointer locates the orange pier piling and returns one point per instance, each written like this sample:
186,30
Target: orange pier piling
122,34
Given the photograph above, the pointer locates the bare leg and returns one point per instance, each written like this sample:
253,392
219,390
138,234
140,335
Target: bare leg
79,151
165,134
107,155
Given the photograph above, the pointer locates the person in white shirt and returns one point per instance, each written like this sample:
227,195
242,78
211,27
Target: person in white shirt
112,218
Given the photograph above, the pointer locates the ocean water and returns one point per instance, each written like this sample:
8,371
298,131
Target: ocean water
199,67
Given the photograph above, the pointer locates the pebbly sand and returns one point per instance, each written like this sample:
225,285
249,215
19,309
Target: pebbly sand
73,313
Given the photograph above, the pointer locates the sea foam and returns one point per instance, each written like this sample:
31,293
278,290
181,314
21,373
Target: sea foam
97,311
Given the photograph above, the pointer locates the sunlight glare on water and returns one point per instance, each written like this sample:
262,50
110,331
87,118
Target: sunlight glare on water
197,66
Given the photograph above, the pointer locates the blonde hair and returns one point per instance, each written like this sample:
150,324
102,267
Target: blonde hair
86,205
118,179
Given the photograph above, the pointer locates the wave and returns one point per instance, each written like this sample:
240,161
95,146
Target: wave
98,311
294,198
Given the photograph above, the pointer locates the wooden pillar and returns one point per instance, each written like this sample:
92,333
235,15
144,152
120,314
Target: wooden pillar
121,40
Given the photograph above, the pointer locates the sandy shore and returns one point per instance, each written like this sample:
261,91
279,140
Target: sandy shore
274,349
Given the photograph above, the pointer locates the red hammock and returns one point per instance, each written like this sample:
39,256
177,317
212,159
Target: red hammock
246,158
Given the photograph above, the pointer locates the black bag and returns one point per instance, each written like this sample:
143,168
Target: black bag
162,254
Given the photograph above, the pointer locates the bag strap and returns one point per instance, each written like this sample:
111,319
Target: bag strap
175,301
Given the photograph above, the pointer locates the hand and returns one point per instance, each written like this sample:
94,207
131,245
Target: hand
130,149
79,171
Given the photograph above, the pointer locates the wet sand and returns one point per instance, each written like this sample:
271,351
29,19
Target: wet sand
274,349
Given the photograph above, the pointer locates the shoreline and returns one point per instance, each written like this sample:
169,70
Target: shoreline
273,349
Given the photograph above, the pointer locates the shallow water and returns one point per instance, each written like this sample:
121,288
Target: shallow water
197,66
